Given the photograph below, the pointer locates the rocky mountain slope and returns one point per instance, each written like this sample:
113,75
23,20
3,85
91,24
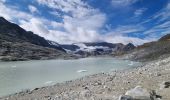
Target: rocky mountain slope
18,44
70,47
152,50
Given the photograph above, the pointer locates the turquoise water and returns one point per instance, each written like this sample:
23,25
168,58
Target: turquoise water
17,76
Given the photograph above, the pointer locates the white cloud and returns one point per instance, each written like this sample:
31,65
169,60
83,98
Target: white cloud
139,12
37,26
66,5
3,1
25,20
120,3
33,9
80,23
92,22
11,13
57,14
80,13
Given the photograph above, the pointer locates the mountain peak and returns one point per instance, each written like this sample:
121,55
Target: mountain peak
3,20
130,44
129,47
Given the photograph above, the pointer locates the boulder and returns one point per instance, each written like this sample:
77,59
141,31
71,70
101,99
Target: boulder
138,93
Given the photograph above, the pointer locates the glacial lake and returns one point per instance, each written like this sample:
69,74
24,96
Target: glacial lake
21,75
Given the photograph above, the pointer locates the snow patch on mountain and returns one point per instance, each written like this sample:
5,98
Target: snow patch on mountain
83,47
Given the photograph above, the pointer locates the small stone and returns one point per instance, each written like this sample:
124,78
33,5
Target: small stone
97,83
86,88
36,88
46,96
157,74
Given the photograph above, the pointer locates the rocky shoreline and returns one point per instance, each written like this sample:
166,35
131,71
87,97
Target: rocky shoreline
150,82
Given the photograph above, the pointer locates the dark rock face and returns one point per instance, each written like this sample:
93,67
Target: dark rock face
13,33
123,49
129,47
55,45
14,51
104,44
18,44
70,47
86,53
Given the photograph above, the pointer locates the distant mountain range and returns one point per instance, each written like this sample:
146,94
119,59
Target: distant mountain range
97,48
18,44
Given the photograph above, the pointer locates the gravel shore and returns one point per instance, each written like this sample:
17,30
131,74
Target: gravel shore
153,76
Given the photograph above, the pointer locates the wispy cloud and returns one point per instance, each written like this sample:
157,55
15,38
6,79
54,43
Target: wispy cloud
160,29
120,3
162,23
111,37
80,22
164,13
128,29
139,12
33,9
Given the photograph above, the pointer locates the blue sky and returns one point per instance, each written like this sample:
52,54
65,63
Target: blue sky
70,21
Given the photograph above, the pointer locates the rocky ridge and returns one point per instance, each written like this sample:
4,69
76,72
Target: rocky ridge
150,51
